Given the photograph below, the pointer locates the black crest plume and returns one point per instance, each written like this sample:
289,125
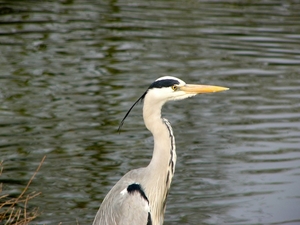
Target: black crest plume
156,84
122,122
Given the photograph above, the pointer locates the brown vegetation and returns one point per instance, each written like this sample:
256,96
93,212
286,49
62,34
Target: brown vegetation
14,210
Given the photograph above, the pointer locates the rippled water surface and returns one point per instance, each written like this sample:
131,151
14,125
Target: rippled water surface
70,69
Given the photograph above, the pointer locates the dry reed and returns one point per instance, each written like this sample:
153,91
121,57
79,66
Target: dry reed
15,210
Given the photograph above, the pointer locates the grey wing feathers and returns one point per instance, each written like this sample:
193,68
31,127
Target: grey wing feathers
125,204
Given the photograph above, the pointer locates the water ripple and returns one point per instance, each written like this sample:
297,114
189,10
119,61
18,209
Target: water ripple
70,70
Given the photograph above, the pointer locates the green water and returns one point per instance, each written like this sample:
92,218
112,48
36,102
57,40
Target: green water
69,71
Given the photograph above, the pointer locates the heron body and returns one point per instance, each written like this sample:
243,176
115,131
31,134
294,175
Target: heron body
139,197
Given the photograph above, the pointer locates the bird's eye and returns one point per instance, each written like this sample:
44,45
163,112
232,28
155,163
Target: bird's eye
174,87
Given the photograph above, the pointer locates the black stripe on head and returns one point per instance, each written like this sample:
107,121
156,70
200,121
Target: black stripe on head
163,83
137,188
156,84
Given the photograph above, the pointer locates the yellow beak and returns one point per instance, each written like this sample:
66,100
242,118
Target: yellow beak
201,89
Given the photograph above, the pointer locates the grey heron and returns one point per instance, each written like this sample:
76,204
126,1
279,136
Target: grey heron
139,197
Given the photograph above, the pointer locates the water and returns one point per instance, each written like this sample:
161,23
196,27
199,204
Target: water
71,69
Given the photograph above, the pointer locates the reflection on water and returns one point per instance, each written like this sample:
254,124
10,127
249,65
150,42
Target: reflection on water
70,70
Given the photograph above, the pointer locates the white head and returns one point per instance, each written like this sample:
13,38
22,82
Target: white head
169,88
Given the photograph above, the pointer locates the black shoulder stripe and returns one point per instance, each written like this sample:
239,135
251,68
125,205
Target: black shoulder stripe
149,221
136,187
163,83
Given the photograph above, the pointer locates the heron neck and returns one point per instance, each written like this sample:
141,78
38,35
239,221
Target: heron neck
164,155
162,166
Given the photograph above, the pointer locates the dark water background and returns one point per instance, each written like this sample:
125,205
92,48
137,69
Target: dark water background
70,69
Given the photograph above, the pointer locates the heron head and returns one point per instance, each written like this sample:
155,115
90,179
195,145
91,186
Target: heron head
172,88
